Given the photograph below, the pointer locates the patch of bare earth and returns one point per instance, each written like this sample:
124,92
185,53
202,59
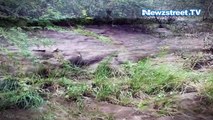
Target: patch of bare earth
126,45
119,112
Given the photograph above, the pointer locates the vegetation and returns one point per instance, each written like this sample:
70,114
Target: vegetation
60,9
28,81
153,84
208,89
15,94
102,38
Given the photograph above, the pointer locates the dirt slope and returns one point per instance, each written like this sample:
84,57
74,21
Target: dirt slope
125,45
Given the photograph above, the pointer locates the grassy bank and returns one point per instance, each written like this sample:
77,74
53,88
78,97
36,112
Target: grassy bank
137,85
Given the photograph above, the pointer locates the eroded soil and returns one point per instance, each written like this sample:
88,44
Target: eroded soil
124,45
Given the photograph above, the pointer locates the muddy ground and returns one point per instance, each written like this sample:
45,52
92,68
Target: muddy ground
125,45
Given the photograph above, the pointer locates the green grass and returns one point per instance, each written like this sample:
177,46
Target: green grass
104,87
142,76
28,99
31,90
17,94
103,71
21,40
157,81
16,91
207,89
58,29
65,69
76,91
88,33
65,82
152,79
9,84
82,31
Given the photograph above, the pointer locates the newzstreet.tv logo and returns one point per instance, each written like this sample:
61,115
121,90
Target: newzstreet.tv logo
191,12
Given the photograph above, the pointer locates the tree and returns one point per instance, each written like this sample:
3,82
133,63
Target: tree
60,9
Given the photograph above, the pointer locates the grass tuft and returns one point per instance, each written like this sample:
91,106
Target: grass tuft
9,84
152,79
17,94
28,100
103,71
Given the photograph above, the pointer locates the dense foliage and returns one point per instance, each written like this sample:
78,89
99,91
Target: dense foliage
59,9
